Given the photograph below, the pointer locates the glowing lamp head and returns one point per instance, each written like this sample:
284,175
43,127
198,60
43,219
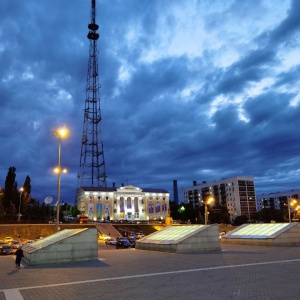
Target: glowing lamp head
210,200
61,133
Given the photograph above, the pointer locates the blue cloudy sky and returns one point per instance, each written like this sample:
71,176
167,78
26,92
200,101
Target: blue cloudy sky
190,90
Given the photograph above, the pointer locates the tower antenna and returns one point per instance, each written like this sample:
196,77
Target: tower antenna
92,164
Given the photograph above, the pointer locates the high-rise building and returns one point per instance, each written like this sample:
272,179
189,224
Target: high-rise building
235,193
277,200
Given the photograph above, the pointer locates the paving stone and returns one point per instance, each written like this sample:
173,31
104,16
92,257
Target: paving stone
237,272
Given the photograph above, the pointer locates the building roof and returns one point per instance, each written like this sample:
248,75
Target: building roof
114,189
97,189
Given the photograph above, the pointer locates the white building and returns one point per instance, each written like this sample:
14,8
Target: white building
236,193
277,200
126,202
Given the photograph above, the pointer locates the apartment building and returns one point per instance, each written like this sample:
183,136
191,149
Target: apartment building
235,193
277,200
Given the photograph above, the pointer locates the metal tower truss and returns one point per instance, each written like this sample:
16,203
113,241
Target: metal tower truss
92,164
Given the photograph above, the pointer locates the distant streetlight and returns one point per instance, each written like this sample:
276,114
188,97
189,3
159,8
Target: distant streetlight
61,133
181,209
207,202
19,215
291,203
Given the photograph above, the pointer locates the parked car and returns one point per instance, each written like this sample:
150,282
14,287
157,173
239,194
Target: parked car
131,235
26,242
15,245
8,240
121,238
2,243
140,235
123,244
221,234
7,250
132,240
110,241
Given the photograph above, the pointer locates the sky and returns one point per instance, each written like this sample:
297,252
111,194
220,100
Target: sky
190,90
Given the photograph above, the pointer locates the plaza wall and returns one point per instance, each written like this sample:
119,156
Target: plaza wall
80,246
286,237
204,238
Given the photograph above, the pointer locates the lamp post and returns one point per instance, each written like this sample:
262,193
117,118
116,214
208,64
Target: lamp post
19,215
291,203
208,201
60,134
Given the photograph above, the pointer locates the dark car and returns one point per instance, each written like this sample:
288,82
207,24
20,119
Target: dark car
16,245
7,250
121,238
110,241
2,243
132,240
123,244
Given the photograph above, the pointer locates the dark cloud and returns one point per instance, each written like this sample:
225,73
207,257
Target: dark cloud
161,120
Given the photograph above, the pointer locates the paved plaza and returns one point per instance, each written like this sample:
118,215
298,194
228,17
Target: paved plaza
236,272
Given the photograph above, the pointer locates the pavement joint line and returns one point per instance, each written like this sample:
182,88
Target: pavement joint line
153,274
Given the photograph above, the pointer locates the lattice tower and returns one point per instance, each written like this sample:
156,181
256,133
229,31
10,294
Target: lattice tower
92,164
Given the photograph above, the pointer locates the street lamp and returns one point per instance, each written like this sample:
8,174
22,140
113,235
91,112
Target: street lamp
291,203
60,134
207,202
19,215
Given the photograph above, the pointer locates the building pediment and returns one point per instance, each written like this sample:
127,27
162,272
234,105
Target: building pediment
129,188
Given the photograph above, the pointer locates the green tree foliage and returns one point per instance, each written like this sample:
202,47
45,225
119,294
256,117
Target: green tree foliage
74,211
1,205
267,215
25,195
31,209
240,220
219,214
11,195
186,212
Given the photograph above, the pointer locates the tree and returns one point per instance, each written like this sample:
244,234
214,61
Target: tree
240,220
74,211
1,204
11,194
25,195
267,215
219,214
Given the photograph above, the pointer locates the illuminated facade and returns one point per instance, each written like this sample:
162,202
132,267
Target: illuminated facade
235,193
277,200
126,202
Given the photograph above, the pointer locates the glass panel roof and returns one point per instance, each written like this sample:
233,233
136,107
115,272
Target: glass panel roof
51,239
173,233
258,230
